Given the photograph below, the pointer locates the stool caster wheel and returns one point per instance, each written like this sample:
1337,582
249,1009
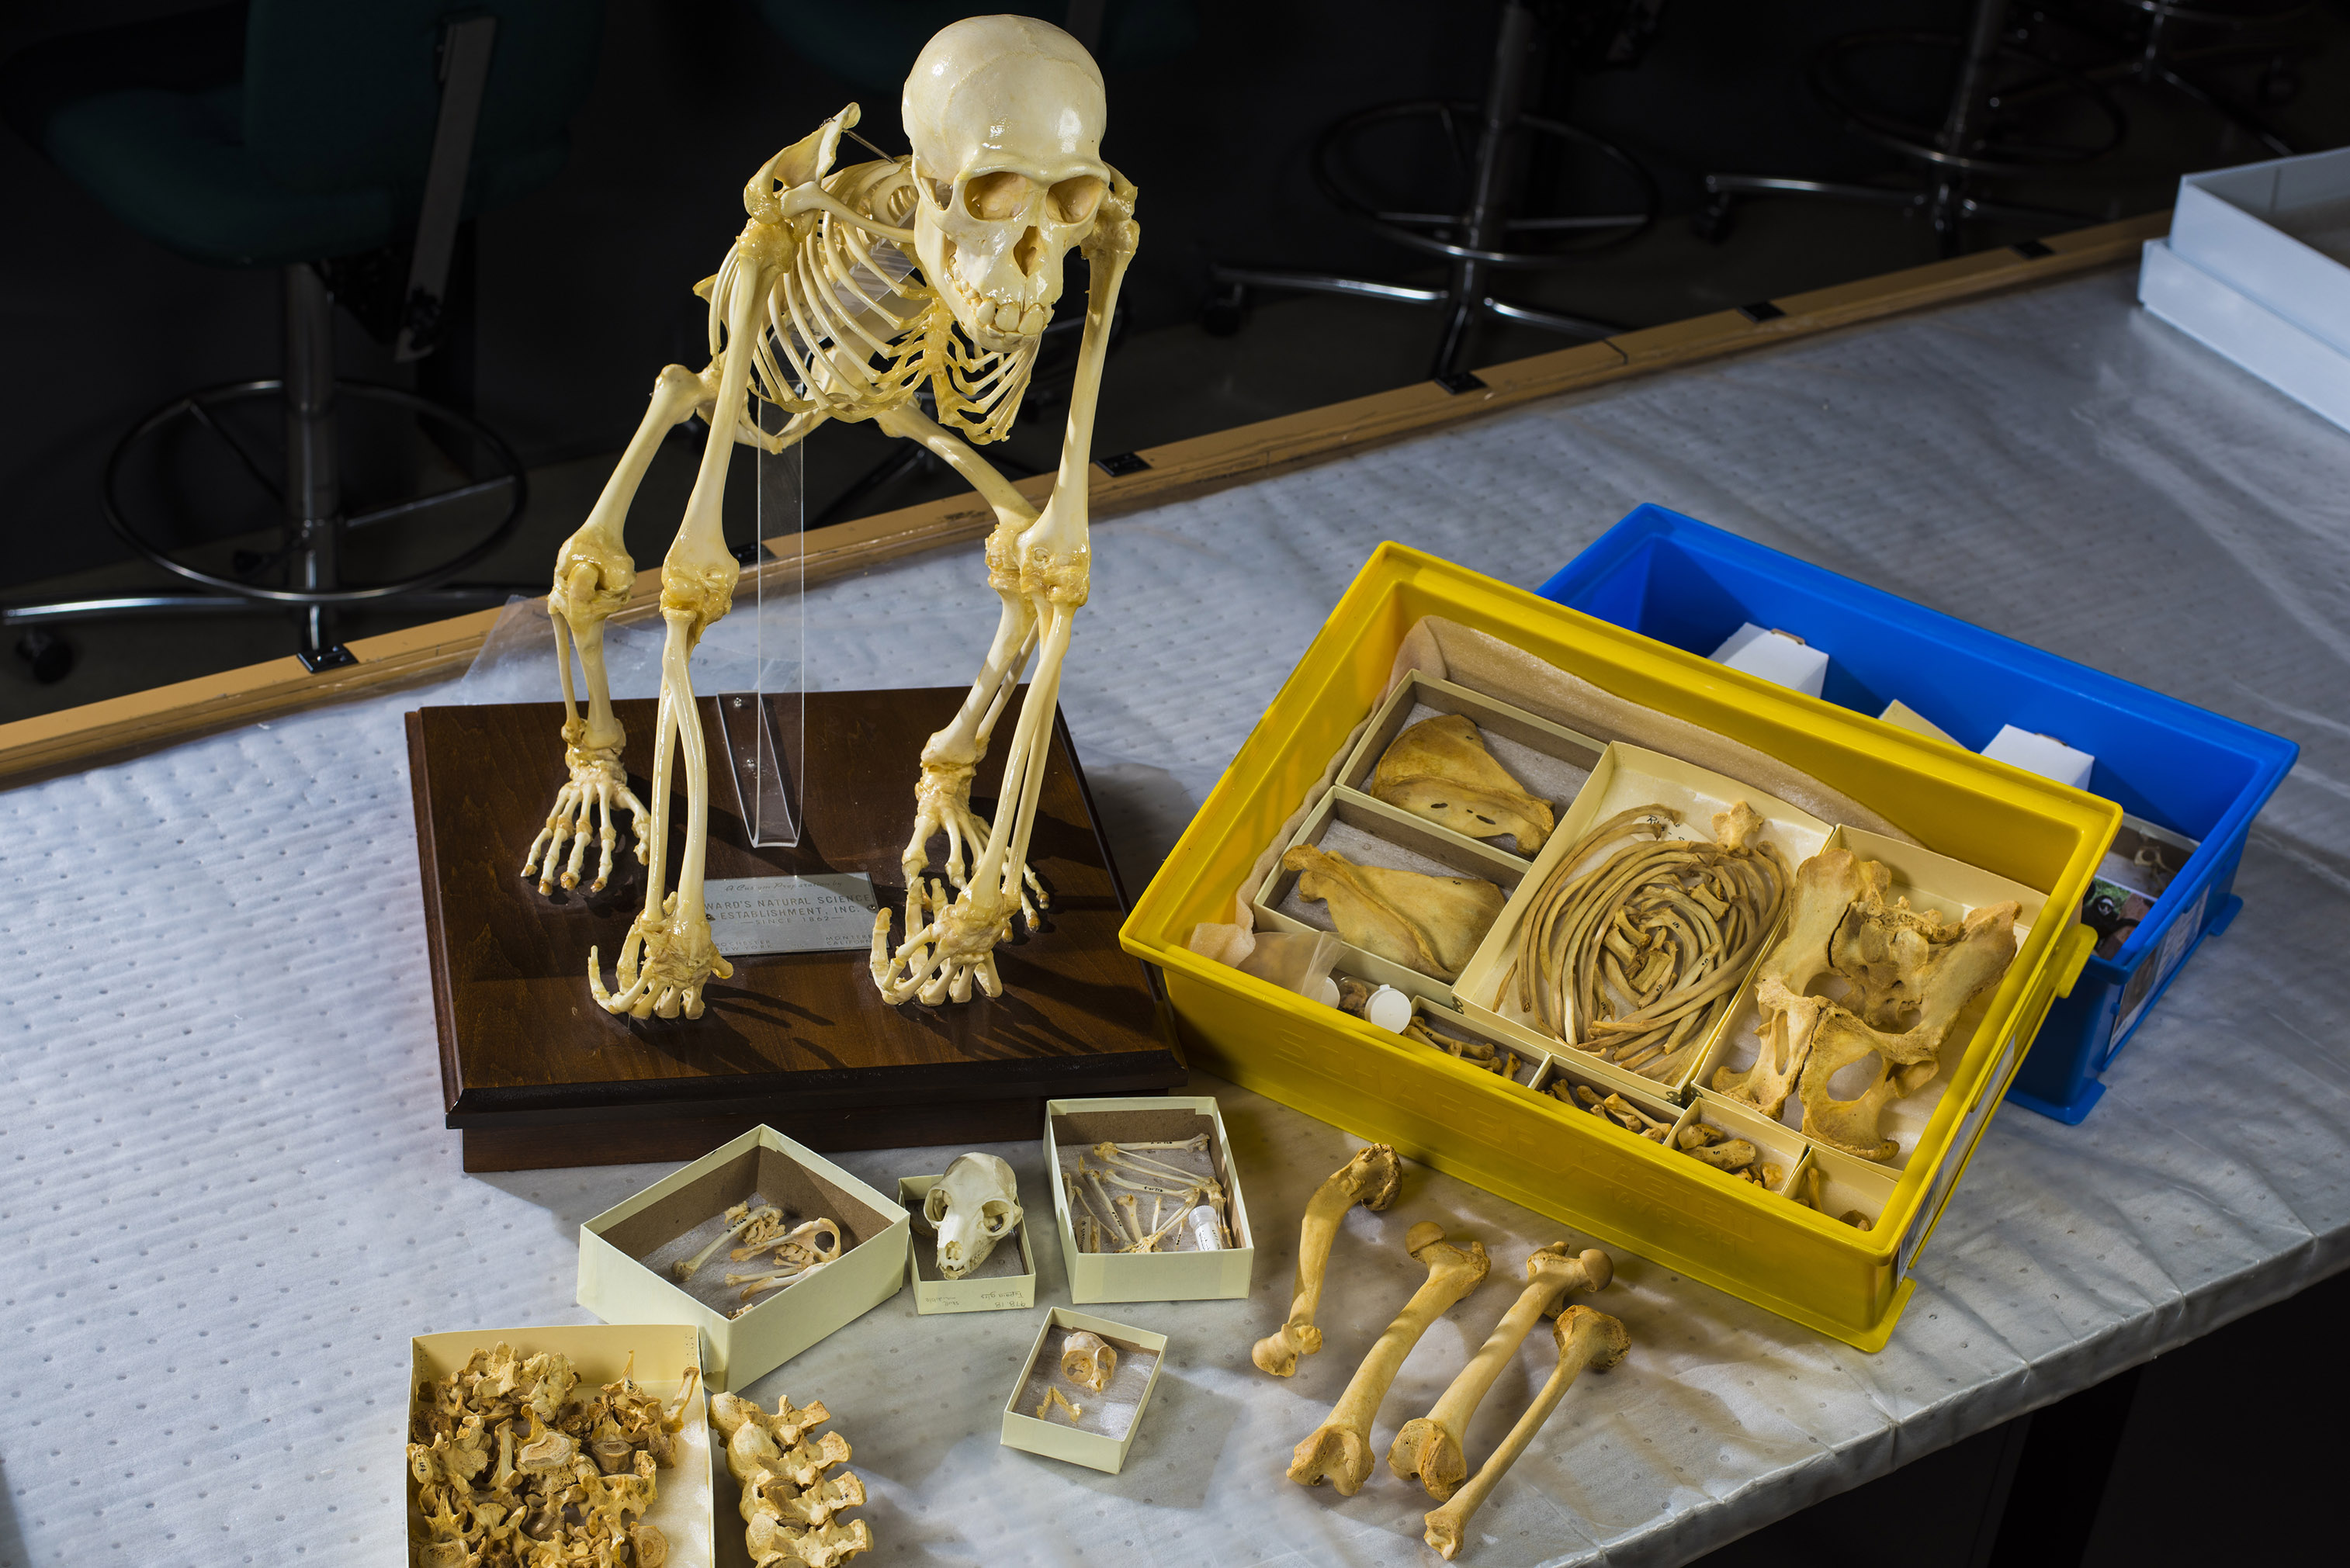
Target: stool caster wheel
1710,222
1224,311
50,656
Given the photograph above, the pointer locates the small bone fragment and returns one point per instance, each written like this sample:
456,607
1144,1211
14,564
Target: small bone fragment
1430,1448
1432,924
1339,1449
1585,1338
1440,770
1735,1155
1087,1359
1370,1179
1698,1135
742,1217
648,1547
1052,1396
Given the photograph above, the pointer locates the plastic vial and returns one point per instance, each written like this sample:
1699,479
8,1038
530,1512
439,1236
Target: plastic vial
1389,1009
1207,1229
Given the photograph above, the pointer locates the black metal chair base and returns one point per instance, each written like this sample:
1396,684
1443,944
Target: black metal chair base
1968,145
200,406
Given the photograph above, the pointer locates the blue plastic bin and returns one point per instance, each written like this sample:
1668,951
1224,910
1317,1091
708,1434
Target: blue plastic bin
1682,582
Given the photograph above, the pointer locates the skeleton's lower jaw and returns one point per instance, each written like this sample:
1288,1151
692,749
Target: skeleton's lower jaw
598,783
664,963
951,944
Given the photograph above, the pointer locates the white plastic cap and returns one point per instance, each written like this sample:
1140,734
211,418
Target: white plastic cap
1389,1009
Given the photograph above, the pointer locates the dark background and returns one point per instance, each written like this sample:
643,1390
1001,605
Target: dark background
584,285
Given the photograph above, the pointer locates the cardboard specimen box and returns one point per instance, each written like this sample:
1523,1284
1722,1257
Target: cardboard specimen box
1007,1279
626,1253
1108,1418
1173,1276
659,1356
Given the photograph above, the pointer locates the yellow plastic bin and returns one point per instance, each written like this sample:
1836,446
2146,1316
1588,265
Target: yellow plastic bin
1531,1149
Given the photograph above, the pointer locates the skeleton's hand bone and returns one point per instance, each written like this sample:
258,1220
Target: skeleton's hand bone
1339,1450
1585,1338
1370,1179
597,784
1430,1448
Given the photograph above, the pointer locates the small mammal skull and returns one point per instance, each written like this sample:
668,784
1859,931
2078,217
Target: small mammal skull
1088,1359
974,1205
1006,117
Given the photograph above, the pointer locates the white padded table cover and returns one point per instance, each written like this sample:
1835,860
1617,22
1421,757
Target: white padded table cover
228,1198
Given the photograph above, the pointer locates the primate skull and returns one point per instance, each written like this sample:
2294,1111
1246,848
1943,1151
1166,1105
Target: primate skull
1006,117
974,1205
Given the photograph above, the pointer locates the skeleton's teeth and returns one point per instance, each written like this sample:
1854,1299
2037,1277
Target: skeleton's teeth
1032,321
1007,318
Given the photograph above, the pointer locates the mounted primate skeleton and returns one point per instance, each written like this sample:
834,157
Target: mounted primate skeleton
820,311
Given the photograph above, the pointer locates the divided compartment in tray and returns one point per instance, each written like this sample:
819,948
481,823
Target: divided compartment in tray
1549,762
1369,832
1774,1145
1555,1071
1441,1022
1929,881
1847,1184
1627,776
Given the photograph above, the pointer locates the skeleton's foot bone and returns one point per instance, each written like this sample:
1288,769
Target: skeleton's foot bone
1339,1449
949,948
664,963
597,785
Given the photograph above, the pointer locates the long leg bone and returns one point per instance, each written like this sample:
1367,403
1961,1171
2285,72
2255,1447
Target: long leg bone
698,577
1050,560
1429,1447
1369,1179
1339,1449
1585,1338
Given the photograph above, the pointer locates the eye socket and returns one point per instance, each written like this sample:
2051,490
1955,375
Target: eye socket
996,1218
996,196
934,1205
1073,199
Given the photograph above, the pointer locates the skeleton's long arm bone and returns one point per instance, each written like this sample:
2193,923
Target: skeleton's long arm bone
1370,1179
593,577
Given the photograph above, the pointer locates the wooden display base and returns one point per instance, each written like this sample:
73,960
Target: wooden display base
535,1075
